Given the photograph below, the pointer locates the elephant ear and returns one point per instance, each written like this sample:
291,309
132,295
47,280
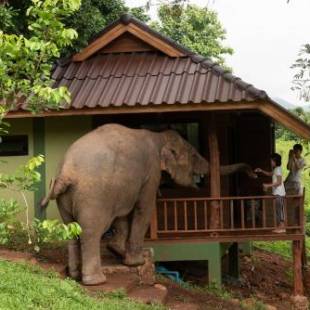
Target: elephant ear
168,160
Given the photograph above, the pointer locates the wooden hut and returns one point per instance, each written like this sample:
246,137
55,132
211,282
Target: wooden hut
132,75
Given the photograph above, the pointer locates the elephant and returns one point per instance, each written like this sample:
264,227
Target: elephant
114,171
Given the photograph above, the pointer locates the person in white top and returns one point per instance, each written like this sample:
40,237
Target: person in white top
278,189
295,165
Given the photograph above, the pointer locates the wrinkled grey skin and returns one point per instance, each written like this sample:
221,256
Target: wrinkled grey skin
110,173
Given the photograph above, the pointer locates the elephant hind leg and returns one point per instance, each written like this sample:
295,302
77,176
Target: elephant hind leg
118,243
74,249
93,227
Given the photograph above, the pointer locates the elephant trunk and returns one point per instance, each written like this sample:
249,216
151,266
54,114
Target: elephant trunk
240,167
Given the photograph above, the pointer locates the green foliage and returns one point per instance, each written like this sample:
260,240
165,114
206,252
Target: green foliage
39,232
48,231
89,19
115,294
301,82
30,287
7,15
282,248
285,134
194,27
219,291
26,63
93,16
25,177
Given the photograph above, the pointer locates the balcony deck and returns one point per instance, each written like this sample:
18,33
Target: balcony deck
245,218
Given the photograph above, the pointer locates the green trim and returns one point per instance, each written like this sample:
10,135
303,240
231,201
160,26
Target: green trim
39,148
182,251
246,248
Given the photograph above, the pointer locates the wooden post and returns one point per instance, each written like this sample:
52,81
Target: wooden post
297,258
215,181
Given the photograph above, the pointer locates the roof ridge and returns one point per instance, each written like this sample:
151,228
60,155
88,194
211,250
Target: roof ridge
127,18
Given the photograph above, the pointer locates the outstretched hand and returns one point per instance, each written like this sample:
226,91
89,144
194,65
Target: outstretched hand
258,170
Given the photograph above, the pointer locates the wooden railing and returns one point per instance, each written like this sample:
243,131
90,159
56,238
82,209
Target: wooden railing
248,215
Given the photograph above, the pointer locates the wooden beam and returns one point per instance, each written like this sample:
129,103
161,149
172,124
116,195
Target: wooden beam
200,107
297,259
154,41
117,31
273,111
100,42
286,119
215,178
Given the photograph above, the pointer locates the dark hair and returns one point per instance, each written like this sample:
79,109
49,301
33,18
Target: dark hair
277,159
297,147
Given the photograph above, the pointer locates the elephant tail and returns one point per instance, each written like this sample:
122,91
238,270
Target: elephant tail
57,186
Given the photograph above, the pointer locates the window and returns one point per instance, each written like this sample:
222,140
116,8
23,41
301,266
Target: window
14,145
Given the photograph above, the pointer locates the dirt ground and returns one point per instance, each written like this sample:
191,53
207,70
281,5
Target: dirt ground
265,276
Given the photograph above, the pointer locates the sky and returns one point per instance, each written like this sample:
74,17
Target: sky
266,36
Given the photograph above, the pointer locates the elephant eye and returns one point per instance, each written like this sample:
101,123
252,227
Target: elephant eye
174,152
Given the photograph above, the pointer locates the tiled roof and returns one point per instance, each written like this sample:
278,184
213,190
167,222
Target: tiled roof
150,78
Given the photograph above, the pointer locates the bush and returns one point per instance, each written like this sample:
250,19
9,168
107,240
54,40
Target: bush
37,232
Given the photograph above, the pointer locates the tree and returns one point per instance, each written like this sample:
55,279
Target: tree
285,134
89,19
194,27
301,80
25,79
26,63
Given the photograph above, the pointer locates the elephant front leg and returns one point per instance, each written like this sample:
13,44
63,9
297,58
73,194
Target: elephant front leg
140,223
118,242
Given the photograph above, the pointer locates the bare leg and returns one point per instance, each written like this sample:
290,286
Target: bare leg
118,242
140,223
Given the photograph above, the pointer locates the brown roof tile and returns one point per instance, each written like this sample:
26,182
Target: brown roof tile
143,78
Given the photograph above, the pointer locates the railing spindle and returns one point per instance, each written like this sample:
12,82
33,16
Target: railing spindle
195,214
232,224
221,214
274,213
253,213
165,215
242,213
185,215
175,216
264,212
205,213
285,212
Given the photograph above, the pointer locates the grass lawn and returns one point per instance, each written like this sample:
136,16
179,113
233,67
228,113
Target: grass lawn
29,287
280,247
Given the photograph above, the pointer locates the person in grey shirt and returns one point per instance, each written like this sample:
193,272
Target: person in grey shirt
295,165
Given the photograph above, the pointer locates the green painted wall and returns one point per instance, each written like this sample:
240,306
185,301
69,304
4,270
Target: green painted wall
18,127
52,138
61,132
